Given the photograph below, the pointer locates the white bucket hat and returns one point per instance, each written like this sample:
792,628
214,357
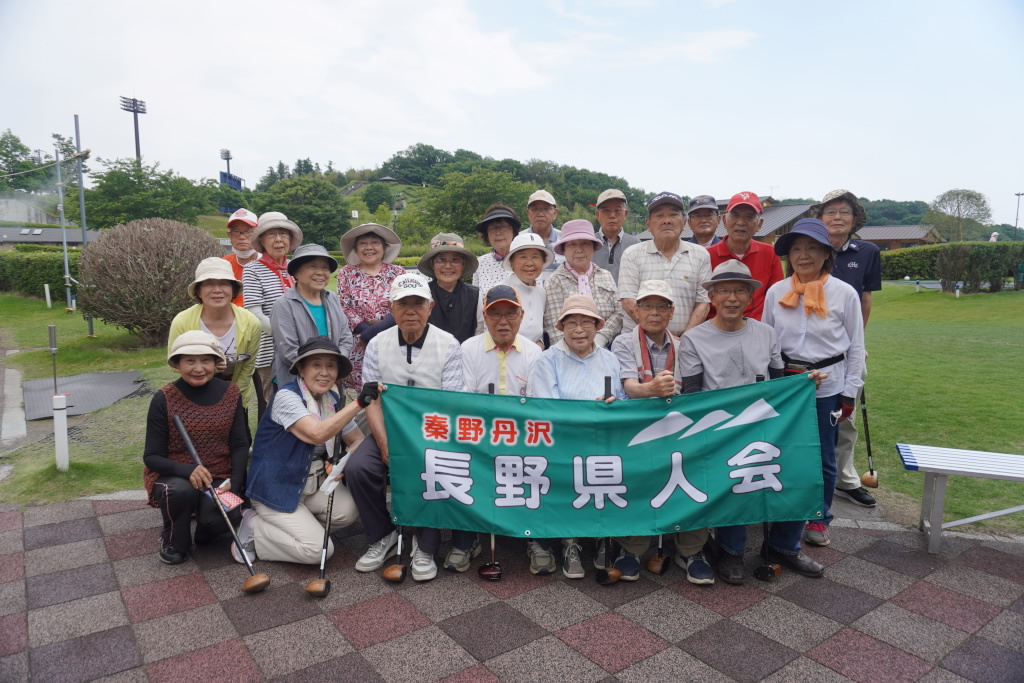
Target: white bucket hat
528,240
214,268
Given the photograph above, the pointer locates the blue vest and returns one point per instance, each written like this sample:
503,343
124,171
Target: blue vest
280,461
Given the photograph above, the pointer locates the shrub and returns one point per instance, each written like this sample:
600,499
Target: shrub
917,262
25,271
973,262
135,275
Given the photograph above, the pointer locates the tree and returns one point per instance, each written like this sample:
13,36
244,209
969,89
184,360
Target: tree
377,194
416,164
952,209
313,203
126,191
382,215
463,197
14,158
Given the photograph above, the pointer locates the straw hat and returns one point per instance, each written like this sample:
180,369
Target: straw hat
392,242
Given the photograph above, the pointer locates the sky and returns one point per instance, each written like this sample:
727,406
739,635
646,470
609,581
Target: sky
897,99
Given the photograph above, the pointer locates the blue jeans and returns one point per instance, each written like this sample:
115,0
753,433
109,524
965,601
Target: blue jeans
784,538
828,433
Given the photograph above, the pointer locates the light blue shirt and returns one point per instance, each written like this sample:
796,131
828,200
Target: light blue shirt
560,373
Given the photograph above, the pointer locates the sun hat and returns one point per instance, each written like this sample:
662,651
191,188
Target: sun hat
860,215
307,252
316,346
745,199
494,215
392,242
276,219
731,270
702,201
214,268
195,343
245,216
579,304
529,240
578,229
499,293
657,288
610,193
448,241
541,196
409,284
812,227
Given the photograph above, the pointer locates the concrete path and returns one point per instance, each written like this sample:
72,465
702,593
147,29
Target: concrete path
84,596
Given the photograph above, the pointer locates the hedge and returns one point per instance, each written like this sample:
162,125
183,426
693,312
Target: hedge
972,263
26,271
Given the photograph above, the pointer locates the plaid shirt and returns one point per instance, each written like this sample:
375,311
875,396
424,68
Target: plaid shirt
562,284
685,274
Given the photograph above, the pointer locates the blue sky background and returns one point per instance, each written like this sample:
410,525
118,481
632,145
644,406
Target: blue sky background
899,100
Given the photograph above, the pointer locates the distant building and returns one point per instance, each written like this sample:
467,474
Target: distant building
18,211
899,236
9,236
778,220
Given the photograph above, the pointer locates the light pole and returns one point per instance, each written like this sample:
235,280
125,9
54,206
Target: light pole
136,107
1016,217
225,154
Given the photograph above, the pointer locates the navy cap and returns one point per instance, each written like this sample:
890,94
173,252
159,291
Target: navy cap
811,227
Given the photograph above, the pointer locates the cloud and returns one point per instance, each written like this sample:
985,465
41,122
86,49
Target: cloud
701,48
718,3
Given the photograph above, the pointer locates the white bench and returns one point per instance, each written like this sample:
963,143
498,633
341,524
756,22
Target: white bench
938,464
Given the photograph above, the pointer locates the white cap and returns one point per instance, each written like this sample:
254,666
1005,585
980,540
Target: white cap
655,288
610,194
541,196
409,284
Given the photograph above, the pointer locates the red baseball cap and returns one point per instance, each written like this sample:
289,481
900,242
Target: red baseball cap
244,216
745,198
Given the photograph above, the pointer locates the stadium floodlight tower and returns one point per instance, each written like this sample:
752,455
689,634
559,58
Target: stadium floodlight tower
225,154
136,107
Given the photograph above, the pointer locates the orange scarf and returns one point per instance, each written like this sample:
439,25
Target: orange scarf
813,293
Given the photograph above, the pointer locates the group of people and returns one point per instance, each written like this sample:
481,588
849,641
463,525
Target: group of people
550,313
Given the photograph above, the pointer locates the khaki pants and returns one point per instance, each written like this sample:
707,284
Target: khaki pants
299,536
687,542
846,469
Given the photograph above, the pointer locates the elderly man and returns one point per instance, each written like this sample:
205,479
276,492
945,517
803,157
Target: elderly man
682,265
503,360
542,211
412,353
576,368
703,219
612,212
240,227
732,350
859,265
742,221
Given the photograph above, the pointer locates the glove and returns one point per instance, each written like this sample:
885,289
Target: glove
370,392
846,409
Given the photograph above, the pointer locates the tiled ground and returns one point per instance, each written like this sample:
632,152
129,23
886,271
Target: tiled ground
84,596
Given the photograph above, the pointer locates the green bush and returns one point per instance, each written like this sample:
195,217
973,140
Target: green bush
917,262
974,263
26,271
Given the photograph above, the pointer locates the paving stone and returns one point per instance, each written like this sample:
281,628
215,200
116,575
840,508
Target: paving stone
132,544
61,533
352,667
474,674
618,593
612,641
786,623
901,558
86,658
12,542
983,661
1010,546
67,556
833,600
226,582
12,597
378,619
671,664
940,675
10,520
869,578
228,661
849,540
516,578
13,634
547,659
669,615
352,587
803,670
74,619
183,632
276,606
994,562
950,547
70,584
491,630
928,639
556,606
138,571
109,507
423,655
137,675
12,567
951,608
760,656
721,597
282,650
863,658
38,515
160,598
14,667
133,520
447,596
977,584
1007,630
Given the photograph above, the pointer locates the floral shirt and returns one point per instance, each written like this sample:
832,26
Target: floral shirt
364,298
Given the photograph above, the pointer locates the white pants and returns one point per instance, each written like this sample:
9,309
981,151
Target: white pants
299,536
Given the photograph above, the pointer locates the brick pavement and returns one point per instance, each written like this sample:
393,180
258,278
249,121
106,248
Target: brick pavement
84,596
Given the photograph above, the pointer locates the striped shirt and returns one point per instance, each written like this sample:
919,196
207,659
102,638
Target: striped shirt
262,287
685,273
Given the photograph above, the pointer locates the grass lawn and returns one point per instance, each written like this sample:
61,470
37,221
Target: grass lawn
216,225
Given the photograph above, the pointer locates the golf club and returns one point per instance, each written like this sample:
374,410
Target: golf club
396,572
491,570
869,478
658,564
256,582
767,571
608,575
320,587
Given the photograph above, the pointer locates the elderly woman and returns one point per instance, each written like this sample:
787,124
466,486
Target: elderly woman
295,441
497,229
264,281
818,321
308,309
363,286
527,258
211,411
447,262
579,275
235,329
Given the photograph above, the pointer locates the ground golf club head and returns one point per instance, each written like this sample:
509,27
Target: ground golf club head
657,564
767,572
490,571
395,573
869,479
319,588
257,583
607,577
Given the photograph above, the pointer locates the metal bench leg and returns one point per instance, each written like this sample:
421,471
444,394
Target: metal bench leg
926,501
935,523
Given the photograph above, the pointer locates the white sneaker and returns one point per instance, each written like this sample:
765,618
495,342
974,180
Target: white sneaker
423,566
246,538
378,553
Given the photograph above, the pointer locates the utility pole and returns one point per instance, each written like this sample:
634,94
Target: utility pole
1015,218
136,107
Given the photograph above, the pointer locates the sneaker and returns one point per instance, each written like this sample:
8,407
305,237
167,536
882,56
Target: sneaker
698,570
816,533
169,555
378,553
423,566
572,565
245,538
628,565
542,560
601,554
858,496
459,559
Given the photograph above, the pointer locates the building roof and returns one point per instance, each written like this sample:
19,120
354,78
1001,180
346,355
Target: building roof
775,217
34,235
872,233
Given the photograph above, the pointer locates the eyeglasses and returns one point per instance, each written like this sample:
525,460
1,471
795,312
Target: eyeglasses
503,315
582,324
832,213
240,233
540,209
276,233
447,261
660,308
732,292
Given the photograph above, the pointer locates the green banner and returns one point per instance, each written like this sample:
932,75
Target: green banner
545,468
